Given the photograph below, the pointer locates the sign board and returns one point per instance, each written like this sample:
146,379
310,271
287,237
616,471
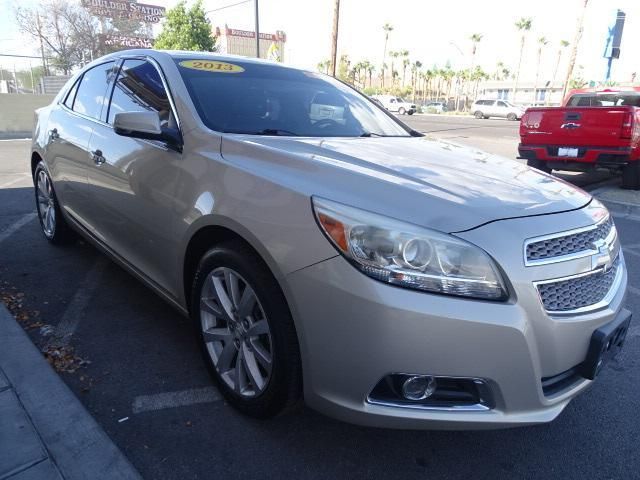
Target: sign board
126,41
233,32
124,9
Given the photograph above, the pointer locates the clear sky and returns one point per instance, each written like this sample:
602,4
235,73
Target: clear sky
434,32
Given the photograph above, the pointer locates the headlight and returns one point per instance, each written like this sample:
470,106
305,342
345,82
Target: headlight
408,255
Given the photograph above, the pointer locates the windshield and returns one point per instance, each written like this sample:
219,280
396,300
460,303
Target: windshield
260,99
604,100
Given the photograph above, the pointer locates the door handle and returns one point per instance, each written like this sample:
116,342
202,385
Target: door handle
97,157
53,135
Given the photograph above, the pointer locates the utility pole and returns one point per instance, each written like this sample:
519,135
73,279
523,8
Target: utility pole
44,62
257,31
334,37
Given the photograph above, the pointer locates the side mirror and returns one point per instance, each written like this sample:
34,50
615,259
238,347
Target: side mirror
146,125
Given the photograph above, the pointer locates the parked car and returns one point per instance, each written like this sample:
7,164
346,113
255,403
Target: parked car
496,108
594,129
396,104
325,249
436,107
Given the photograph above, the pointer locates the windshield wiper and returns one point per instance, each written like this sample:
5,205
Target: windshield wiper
266,131
276,131
371,134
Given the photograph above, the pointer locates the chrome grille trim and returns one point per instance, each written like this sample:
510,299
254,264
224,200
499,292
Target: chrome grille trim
596,301
568,245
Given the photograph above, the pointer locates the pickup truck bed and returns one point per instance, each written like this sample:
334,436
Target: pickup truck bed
582,138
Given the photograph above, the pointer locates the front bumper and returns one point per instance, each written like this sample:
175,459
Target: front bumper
354,330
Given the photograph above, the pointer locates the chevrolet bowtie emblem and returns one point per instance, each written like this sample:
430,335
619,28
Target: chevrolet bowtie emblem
602,259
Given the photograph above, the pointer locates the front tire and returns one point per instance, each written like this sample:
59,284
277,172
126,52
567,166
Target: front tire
54,226
539,165
402,111
631,176
512,117
410,112
479,115
246,331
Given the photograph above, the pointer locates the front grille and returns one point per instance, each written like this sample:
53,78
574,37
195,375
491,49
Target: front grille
579,292
568,244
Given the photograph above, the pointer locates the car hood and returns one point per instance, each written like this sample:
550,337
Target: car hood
433,183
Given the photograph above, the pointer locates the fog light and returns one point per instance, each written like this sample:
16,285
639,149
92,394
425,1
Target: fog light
418,387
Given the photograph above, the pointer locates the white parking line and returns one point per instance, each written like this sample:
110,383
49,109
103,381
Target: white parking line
76,309
17,225
628,251
183,398
16,180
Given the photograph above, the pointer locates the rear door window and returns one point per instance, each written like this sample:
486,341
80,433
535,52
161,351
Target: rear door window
71,95
90,97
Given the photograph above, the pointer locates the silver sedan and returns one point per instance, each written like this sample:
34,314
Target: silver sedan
327,251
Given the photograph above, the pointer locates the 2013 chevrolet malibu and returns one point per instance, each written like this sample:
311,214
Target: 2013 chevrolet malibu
326,250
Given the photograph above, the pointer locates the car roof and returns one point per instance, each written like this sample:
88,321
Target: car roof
185,54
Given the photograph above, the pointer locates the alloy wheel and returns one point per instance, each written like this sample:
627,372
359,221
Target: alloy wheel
236,332
46,203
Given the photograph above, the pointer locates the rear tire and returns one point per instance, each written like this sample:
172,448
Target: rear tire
479,115
512,117
54,227
262,373
631,176
410,112
539,165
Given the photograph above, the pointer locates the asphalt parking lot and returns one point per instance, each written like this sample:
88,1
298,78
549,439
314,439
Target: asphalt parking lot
135,365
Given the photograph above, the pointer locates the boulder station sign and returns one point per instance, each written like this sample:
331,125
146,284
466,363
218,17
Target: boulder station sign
123,9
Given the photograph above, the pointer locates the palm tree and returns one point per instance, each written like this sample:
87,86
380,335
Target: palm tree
475,39
370,69
563,44
415,70
387,27
574,47
405,64
394,73
542,42
523,25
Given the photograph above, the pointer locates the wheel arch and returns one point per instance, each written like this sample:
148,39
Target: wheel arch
35,159
205,236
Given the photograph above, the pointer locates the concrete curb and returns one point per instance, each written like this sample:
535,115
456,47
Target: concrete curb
15,135
622,210
72,439
621,203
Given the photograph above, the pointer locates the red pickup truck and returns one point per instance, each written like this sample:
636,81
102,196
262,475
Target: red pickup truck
594,129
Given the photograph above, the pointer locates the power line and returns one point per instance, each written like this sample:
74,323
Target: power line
228,6
19,56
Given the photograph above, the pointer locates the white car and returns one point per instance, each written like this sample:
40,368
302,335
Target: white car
396,104
496,108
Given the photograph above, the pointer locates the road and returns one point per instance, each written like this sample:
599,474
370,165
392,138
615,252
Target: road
494,135
134,364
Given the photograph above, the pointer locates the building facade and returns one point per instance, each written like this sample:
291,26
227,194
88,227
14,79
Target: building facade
526,94
243,42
